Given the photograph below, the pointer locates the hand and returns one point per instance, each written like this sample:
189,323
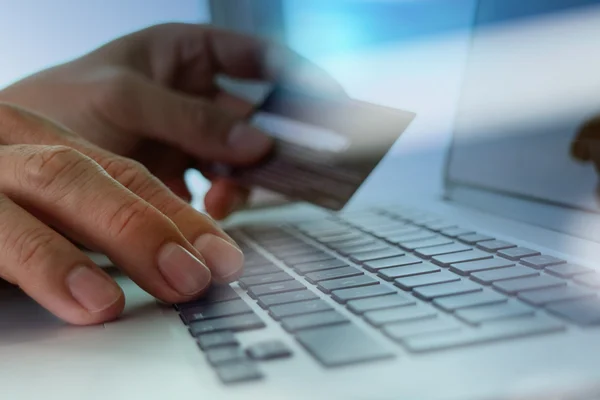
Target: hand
586,146
152,96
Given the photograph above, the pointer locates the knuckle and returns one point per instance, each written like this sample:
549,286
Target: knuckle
130,218
45,167
30,246
129,173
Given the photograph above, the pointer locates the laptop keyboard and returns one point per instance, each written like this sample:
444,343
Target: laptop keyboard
423,282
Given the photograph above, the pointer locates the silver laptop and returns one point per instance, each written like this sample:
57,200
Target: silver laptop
488,293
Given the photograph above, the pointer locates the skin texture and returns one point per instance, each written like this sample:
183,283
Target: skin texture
94,152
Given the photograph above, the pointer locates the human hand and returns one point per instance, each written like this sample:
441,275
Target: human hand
152,96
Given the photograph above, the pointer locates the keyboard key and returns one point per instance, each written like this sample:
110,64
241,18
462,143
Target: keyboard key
513,286
582,312
439,225
418,235
235,323
319,266
487,333
260,270
456,232
454,258
429,252
469,267
361,245
485,297
495,245
474,238
217,339
399,231
399,314
567,270
421,244
376,265
344,272
589,280
376,255
412,282
369,248
446,289
344,295
542,261
303,307
309,258
246,282
341,345
223,355
517,253
564,293
216,310
377,303
389,274
285,298
404,330
293,324
268,350
238,372
215,294
273,288
495,275
346,283
510,309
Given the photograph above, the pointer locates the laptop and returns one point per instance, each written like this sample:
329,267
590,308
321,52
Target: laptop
490,292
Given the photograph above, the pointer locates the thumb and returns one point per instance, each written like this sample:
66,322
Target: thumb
195,125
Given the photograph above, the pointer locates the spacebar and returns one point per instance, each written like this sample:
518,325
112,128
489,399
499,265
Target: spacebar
339,345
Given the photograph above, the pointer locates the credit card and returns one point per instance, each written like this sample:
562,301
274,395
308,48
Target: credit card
325,148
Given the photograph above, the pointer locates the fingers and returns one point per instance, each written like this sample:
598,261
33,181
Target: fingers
53,271
78,196
588,139
224,198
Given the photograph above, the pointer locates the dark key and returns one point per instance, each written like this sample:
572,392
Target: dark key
319,266
376,255
495,275
589,280
513,286
235,323
238,372
217,339
487,333
474,238
419,235
517,253
404,330
337,240
304,250
216,310
359,245
542,261
446,289
224,355
420,244
568,270
439,225
246,282
344,295
582,312
375,246
344,272
469,267
397,232
303,307
412,282
399,314
285,298
455,232
215,294
564,293
495,245
299,322
346,283
454,258
378,303
268,350
273,288
255,260
389,274
481,298
376,265
260,270
309,258
495,312
429,252
341,345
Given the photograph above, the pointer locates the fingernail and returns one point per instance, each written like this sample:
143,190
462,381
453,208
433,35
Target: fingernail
184,272
244,139
225,259
92,290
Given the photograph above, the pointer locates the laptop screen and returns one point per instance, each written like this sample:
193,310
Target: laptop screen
529,116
